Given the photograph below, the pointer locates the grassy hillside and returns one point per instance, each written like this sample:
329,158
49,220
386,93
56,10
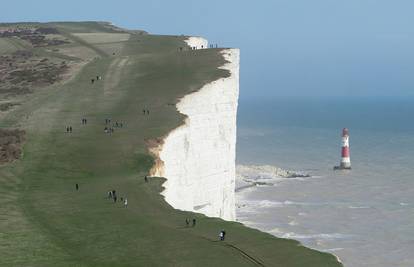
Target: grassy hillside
45,221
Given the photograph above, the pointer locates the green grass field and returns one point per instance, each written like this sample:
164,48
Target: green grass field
44,221
9,45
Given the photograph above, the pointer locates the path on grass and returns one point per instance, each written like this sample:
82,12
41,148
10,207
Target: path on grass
44,221
113,75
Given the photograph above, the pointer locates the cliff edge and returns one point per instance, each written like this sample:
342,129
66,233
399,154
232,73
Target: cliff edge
90,98
198,158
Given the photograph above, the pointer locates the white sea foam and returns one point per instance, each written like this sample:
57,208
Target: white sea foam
332,249
276,231
269,204
253,205
330,236
359,207
263,204
293,223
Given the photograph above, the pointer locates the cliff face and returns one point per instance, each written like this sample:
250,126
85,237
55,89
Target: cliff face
198,158
197,42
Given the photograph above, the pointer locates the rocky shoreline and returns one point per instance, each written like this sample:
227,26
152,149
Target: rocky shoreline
263,175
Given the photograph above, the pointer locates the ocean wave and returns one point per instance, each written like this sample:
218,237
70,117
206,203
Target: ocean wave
359,207
270,204
244,202
331,236
293,223
332,249
276,231
253,205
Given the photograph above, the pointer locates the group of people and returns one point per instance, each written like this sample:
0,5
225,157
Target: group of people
112,195
69,128
116,124
110,129
120,124
145,112
202,47
187,222
97,79
191,48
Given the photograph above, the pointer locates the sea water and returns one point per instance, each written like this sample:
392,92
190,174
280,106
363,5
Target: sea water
365,216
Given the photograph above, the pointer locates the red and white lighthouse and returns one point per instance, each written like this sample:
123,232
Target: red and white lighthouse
345,159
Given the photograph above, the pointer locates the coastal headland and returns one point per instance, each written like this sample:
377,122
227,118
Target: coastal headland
83,105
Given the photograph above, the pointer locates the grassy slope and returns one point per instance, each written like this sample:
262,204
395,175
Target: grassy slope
7,46
45,222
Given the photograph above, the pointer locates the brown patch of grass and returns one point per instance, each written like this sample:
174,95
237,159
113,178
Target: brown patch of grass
7,106
38,37
11,141
23,70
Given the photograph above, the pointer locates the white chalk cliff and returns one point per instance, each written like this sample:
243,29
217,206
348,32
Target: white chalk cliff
198,158
197,42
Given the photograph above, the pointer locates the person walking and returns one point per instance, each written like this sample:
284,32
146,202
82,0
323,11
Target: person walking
114,195
77,187
187,222
126,202
222,235
194,222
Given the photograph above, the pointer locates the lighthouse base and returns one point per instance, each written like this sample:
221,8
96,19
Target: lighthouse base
336,168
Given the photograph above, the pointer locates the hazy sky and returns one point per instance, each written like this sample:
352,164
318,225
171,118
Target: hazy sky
288,47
